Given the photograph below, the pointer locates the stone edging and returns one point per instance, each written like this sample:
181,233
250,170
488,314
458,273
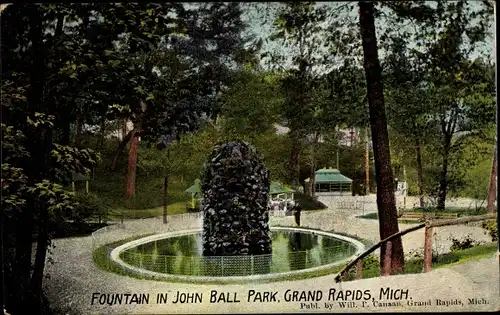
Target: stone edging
115,256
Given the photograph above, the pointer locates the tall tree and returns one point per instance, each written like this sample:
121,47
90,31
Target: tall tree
458,85
492,190
393,260
408,107
298,27
315,41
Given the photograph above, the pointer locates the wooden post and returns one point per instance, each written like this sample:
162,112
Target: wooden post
359,269
87,186
374,247
345,277
428,249
386,268
367,163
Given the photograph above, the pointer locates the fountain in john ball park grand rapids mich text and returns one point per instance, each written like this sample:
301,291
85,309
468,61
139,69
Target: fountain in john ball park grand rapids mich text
235,202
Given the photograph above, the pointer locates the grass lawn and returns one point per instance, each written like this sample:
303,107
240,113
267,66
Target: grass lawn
374,216
416,265
305,201
451,210
175,208
101,257
447,213
371,270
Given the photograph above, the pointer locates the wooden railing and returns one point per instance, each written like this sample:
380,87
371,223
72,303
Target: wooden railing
429,225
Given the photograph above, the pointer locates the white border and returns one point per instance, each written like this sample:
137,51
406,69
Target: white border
115,256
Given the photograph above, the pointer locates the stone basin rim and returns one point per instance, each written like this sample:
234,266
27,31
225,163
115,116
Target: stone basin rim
115,256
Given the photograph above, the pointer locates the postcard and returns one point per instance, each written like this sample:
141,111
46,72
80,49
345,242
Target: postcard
228,158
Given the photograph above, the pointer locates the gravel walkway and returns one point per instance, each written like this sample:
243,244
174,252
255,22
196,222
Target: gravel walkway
74,277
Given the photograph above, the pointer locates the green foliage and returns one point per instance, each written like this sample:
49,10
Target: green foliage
89,206
463,243
66,159
492,229
250,106
307,202
57,201
418,254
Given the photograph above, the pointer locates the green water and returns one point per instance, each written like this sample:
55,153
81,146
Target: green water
182,255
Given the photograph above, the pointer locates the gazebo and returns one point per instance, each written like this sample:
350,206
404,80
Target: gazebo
195,191
281,199
278,190
329,181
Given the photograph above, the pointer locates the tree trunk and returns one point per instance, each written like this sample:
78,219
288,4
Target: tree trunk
443,177
386,202
2,263
312,179
352,137
367,163
165,198
78,137
66,136
493,183
294,160
41,254
124,128
43,239
22,292
420,173
132,166
103,133
120,149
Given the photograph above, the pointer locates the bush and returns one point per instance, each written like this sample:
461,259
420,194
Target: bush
371,267
308,203
89,206
491,228
463,243
418,254
371,261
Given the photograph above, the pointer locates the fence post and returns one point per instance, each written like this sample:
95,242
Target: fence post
251,264
222,264
359,269
428,249
386,268
307,254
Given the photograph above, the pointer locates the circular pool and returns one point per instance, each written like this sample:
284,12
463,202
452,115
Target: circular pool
178,255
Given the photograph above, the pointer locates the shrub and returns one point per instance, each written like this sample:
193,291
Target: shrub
491,228
308,203
89,206
463,243
371,261
418,254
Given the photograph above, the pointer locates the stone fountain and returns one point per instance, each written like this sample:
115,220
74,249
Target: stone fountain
235,192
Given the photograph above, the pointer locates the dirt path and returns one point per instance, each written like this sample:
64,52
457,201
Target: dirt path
74,278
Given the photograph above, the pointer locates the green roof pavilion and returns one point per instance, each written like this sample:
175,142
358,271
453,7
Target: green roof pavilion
195,191
276,189
331,181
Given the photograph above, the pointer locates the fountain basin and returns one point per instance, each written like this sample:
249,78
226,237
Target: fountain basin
178,256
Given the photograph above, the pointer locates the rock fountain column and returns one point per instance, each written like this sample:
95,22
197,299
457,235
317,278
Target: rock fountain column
235,202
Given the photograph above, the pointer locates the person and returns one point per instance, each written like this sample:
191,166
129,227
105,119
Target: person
296,213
